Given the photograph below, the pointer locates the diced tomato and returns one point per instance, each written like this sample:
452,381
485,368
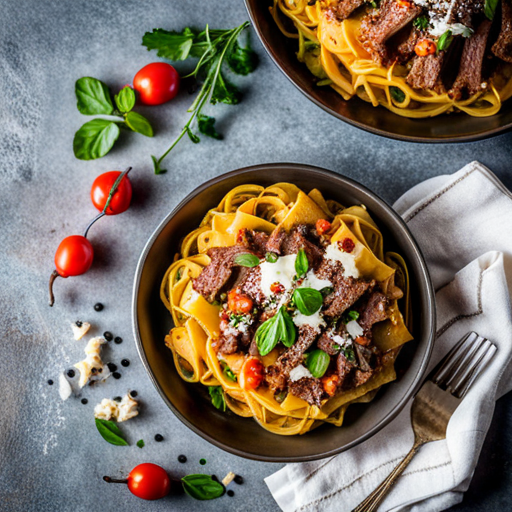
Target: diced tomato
347,245
425,47
362,340
276,287
330,383
252,374
322,226
403,3
239,303
240,237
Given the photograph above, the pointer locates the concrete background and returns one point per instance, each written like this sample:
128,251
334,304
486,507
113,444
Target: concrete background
52,458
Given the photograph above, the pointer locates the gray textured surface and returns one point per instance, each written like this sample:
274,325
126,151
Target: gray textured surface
52,458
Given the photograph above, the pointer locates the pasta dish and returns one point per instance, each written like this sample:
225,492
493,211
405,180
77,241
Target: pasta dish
286,306
417,58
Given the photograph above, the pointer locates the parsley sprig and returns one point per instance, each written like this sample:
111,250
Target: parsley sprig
214,49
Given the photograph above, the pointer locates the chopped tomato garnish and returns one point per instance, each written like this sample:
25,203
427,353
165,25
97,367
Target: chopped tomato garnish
276,287
252,374
347,245
425,47
240,237
362,340
330,383
322,226
239,303
403,3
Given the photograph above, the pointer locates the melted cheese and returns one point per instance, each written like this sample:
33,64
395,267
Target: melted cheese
348,260
315,320
282,271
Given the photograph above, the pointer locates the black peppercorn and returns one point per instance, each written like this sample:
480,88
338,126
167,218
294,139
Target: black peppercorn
182,459
116,375
117,399
125,362
118,340
50,382
108,335
98,306
239,479
78,323
230,493
133,393
112,367
159,438
84,400
71,373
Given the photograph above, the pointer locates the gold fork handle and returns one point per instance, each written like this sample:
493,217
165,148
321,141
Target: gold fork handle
372,502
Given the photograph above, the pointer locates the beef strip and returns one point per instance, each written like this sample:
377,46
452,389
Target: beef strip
284,244
347,290
426,71
217,273
326,343
344,368
463,11
405,46
277,374
502,48
344,8
248,282
276,240
361,377
375,310
470,77
254,240
366,358
378,28
309,389
231,340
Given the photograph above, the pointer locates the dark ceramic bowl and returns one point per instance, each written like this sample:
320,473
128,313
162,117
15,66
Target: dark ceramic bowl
378,120
191,403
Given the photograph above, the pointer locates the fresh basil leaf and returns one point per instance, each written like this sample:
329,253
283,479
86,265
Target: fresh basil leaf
279,328
226,370
202,487
490,8
247,260
169,44
217,397
317,363
242,61
95,139
224,92
156,166
206,126
397,94
444,41
125,99
349,316
349,354
271,257
140,443
301,263
326,291
421,22
93,97
139,124
110,432
307,300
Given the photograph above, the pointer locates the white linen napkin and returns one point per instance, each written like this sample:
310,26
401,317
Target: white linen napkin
463,224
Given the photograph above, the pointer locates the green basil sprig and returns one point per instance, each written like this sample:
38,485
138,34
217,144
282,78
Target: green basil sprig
206,126
110,432
444,41
217,397
271,257
97,137
490,8
202,487
317,362
279,328
307,300
301,263
247,260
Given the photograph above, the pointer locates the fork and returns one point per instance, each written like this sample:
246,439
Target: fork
436,401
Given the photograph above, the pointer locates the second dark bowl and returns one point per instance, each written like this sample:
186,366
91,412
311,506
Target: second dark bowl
190,402
378,120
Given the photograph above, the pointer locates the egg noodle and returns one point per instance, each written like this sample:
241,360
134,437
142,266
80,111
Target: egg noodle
197,322
348,68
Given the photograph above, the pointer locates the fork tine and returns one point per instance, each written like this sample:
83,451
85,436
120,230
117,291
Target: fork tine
455,358
469,361
484,361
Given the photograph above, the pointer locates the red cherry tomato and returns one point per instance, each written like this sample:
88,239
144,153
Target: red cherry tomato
276,287
101,188
252,374
322,226
74,256
238,302
156,83
149,481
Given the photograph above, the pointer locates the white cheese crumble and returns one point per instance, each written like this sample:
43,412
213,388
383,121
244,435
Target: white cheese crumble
80,332
299,372
92,367
311,281
124,410
64,387
347,259
282,271
340,340
354,329
315,320
440,26
228,479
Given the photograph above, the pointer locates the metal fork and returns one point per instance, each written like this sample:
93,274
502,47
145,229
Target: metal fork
436,401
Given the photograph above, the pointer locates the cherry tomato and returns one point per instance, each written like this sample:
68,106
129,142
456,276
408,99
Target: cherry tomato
122,196
74,256
156,83
330,383
149,481
322,226
239,303
252,374
425,47
276,287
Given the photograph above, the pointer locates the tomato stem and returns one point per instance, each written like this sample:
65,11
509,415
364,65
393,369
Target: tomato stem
114,188
114,481
92,222
54,276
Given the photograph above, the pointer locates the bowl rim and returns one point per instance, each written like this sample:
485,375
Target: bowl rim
376,131
425,277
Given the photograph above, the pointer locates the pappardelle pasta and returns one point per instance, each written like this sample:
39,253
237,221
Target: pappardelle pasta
287,307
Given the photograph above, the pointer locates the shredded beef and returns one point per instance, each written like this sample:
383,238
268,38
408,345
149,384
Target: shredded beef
374,311
231,342
502,48
470,80
255,240
248,282
214,276
343,367
425,73
309,389
276,240
344,8
377,28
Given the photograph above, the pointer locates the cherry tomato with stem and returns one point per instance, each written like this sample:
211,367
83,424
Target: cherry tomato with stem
121,198
146,481
156,83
